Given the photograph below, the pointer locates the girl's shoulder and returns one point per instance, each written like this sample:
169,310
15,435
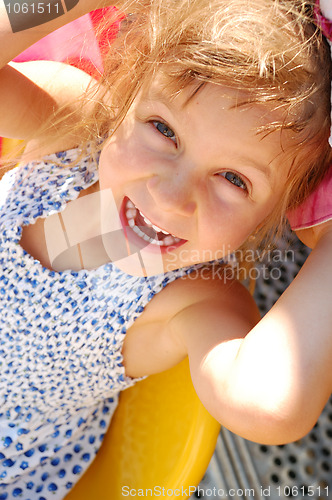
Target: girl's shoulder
41,186
191,305
205,285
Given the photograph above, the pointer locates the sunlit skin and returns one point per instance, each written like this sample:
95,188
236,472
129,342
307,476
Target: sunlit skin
195,166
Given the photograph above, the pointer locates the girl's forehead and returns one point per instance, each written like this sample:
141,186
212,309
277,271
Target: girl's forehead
166,90
222,98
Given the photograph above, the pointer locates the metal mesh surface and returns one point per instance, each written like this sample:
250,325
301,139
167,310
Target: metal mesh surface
241,469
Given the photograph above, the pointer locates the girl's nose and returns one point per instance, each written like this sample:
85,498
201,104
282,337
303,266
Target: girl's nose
172,195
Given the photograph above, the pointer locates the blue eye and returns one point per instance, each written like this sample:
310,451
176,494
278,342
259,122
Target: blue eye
235,179
165,130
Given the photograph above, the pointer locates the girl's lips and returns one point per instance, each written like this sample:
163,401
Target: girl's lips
143,232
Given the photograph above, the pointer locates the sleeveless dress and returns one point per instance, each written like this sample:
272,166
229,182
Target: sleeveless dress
61,338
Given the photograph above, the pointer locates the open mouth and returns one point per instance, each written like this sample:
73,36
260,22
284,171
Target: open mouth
145,229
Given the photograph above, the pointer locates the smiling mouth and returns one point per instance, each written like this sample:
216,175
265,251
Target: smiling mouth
146,230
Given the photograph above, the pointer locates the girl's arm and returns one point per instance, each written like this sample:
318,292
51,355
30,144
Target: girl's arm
31,92
272,385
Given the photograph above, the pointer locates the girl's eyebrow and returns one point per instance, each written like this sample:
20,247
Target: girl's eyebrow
263,168
195,91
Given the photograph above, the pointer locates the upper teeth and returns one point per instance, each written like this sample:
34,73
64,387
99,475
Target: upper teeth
149,223
131,212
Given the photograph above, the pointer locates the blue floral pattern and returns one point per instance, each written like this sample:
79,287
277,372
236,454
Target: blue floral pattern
61,337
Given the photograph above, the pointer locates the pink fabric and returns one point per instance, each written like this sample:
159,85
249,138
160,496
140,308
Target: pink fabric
74,40
324,24
316,209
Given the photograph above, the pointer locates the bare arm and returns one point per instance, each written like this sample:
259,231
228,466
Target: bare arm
31,92
272,385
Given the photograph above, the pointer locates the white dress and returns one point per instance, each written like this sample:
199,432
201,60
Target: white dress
61,337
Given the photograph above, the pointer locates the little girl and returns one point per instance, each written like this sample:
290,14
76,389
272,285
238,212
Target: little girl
211,120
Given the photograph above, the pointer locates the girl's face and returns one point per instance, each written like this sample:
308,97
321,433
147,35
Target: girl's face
190,176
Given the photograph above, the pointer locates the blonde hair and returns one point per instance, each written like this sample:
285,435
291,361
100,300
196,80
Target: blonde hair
269,49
